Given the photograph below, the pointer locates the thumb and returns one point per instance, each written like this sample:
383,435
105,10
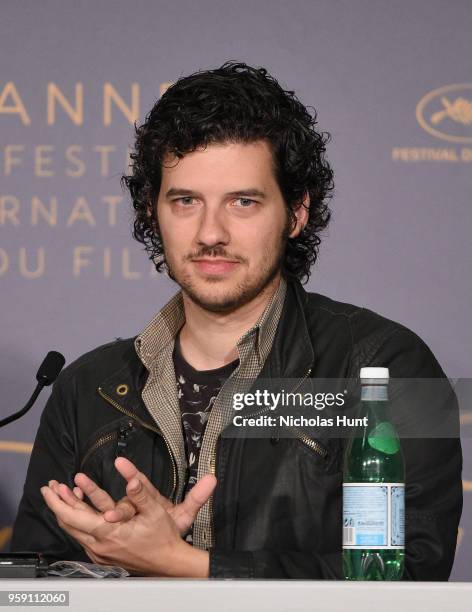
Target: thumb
186,512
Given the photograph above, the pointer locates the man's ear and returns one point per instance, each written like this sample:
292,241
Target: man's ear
301,215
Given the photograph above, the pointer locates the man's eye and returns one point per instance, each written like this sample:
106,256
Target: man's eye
246,202
185,200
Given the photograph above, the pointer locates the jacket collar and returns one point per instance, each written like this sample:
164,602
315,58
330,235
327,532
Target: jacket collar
292,351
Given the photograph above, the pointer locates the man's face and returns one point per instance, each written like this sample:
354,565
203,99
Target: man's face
223,223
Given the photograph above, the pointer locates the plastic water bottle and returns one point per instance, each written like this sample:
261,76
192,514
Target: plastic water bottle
374,489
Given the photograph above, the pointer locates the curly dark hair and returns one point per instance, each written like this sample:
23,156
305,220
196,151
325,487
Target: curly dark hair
234,103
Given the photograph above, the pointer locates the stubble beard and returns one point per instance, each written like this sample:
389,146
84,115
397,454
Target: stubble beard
244,291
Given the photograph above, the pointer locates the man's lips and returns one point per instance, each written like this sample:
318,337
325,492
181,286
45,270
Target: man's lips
215,266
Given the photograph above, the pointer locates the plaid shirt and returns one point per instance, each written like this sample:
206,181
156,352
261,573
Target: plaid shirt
155,346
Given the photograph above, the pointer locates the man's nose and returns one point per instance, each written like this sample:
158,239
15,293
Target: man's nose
212,228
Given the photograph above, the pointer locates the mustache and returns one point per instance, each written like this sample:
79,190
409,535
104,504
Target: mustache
214,252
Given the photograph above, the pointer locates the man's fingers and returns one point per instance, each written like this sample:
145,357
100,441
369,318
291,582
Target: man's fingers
64,492
126,468
99,498
83,518
67,495
141,498
186,512
124,511
77,491
129,471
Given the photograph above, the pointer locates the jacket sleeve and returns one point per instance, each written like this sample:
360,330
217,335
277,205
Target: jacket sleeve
433,490
52,457
433,464
275,564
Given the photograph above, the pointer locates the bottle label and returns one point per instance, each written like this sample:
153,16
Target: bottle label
374,515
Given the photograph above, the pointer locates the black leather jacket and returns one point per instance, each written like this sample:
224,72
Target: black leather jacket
277,507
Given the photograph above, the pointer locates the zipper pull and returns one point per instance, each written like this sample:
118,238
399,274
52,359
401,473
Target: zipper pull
122,441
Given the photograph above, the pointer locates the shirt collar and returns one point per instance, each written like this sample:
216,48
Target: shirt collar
165,325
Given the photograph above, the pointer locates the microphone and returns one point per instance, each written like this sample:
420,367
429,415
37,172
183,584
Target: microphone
50,368
48,372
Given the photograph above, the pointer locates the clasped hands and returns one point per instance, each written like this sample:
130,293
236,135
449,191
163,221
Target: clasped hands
143,532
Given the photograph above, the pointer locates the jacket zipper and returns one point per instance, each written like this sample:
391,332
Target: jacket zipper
130,414
121,436
313,444
122,442
306,440
98,444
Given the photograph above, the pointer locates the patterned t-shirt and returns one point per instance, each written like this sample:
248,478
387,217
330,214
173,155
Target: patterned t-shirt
197,390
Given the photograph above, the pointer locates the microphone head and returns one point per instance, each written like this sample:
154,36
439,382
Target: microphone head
50,368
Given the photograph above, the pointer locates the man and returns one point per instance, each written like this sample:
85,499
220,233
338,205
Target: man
230,187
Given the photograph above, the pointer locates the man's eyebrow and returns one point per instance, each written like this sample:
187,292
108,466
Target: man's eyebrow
247,193
180,191
244,193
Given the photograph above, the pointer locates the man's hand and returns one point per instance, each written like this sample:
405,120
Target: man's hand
144,534
184,514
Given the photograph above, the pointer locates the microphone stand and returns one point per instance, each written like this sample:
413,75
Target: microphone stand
24,410
47,374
